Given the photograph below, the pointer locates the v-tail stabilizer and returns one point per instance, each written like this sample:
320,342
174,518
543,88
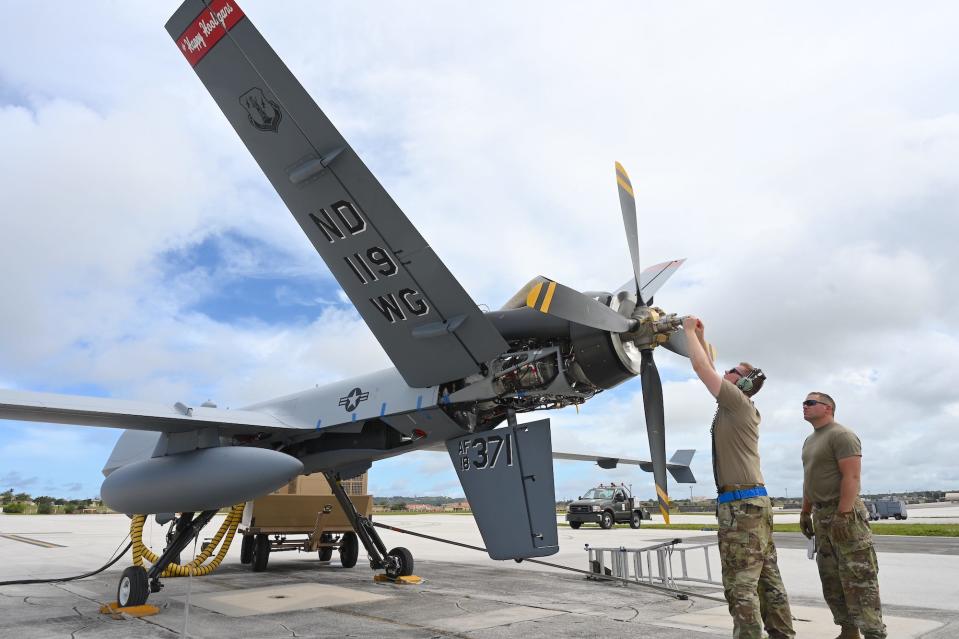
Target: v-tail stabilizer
507,475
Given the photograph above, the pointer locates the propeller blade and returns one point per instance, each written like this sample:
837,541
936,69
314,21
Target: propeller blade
627,202
553,298
655,426
677,344
652,278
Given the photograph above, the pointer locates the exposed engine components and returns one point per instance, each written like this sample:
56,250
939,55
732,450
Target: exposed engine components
522,380
525,371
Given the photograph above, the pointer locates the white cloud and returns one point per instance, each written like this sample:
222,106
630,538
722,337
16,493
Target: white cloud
805,167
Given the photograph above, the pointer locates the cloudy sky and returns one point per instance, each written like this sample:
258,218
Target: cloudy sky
803,158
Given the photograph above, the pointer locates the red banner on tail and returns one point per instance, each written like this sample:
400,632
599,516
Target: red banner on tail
208,28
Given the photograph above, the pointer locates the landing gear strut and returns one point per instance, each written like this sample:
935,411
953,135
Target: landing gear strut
397,562
136,582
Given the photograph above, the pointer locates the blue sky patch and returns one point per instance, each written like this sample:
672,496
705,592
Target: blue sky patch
236,277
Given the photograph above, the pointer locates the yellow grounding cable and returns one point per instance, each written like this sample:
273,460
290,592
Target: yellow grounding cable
196,568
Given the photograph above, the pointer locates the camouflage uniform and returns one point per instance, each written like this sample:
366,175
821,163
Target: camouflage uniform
753,586
848,568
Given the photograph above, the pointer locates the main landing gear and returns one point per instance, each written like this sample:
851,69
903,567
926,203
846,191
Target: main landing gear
397,562
136,583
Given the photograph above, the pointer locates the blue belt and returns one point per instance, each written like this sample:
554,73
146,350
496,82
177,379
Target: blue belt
736,495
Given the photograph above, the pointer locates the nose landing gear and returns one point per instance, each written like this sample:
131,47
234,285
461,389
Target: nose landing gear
136,582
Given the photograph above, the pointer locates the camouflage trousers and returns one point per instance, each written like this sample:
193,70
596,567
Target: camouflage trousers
754,588
848,568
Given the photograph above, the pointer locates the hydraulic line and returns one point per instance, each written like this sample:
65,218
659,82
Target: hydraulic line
671,592
225,534
21,582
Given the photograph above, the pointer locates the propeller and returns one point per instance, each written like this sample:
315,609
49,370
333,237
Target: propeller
553,298
655,426
639,323
648,373
627,203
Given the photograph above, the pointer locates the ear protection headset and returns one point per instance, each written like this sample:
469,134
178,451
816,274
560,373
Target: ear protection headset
745,383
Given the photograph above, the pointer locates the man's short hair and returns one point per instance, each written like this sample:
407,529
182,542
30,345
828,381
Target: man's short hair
825,399
757,383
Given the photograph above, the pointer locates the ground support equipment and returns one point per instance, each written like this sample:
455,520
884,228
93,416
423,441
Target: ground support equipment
301,522
675,593
651,564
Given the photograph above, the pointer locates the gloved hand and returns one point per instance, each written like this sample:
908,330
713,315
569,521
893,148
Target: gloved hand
805,524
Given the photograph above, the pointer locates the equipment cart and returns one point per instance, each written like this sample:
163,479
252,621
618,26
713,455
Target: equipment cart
305,523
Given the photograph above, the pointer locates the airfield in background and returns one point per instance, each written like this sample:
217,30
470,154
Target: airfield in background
464,594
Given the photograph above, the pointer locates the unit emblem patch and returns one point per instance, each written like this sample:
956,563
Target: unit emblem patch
264,113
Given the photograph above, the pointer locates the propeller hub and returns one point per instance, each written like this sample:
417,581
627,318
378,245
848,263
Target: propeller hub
653,326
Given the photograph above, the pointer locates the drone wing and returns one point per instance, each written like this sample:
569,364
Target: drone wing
133,415
424,320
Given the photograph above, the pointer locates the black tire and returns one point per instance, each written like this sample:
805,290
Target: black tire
134,587
349,549
575,524
246,549
607,520
326,553
403,565
261,552
635,520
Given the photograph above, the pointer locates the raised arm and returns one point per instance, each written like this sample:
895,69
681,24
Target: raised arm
699,356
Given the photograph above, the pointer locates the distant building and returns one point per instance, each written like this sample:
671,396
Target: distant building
422,508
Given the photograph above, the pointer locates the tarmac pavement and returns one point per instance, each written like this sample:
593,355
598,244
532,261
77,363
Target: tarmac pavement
464,593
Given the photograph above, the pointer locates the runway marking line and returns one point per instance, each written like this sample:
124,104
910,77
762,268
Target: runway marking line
28,540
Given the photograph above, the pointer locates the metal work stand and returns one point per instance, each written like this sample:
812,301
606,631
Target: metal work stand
397,562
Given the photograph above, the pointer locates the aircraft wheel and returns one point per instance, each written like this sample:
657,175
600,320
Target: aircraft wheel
575,524
635,520
607,521
349,549
134,588
326,553
246,549
401,564
261,552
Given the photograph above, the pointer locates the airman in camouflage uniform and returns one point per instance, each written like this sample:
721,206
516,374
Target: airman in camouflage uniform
753,586
848,568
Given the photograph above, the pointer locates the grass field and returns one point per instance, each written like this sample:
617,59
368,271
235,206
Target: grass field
915,530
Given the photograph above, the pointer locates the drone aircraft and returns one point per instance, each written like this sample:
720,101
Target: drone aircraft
461,375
